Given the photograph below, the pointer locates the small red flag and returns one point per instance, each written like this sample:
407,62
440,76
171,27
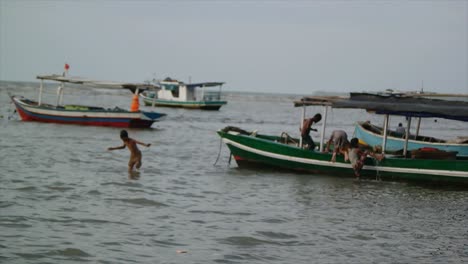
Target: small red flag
67,66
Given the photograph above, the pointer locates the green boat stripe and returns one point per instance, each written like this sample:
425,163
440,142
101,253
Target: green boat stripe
462,174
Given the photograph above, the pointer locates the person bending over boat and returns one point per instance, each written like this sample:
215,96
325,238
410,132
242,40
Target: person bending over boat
357,156
135,153
307,127
340,144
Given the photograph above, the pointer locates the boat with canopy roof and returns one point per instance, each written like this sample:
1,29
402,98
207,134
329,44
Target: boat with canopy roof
30,110
254,149
173,93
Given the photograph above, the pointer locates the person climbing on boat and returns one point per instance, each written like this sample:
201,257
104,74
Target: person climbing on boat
135,153
340,144
357,156
306,128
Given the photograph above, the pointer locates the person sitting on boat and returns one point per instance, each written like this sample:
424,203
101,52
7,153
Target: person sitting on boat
307,127
340,144
400,129
357,156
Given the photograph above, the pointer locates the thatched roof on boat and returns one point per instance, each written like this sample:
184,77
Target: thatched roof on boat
403,105
98,84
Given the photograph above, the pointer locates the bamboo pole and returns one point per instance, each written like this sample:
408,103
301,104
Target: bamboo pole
302,123
407,133
384,140
322,132
41,87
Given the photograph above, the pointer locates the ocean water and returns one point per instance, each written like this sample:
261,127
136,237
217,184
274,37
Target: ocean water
65,199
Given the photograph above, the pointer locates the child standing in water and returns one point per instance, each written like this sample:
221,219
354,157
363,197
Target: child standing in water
135,153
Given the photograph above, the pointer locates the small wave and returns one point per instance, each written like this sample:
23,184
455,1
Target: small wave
131,184
198,221
94,192
219,212
58,188
68,252
165,243
15,221
191,195
15,225
111,243
245,258
276,235
208,212
141,201
361,237
5,204
245,241
274,220
99,221
26,189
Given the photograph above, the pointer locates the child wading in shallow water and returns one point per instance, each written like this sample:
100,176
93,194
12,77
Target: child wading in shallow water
357,156
135,153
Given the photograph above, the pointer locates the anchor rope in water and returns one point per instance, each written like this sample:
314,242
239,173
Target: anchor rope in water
376,164
219,151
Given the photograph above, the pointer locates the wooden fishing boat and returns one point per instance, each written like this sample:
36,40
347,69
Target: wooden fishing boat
253,149
30,110
373,136
172,93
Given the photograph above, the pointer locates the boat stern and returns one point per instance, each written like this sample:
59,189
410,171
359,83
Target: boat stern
154,116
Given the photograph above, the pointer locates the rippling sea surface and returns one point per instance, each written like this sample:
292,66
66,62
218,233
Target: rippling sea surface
65,199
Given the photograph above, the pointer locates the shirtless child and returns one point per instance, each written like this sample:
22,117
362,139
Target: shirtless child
135,153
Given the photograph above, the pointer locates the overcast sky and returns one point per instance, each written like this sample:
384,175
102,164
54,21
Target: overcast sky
259,46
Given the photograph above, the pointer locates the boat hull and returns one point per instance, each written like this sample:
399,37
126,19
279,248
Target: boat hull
396,144
251,150
203,105
98,117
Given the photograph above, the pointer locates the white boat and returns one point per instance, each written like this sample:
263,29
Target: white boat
173,93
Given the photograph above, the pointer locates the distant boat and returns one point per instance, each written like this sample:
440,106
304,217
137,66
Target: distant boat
172,93
373,136
81,114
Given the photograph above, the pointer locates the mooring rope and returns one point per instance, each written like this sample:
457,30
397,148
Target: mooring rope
219,151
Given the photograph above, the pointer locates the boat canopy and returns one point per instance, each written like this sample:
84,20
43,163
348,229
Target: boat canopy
99,84
391,104
204,84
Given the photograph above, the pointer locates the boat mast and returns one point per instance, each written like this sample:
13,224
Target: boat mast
322,132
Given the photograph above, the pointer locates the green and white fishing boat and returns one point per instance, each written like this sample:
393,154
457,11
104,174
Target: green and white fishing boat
173,93
253,149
